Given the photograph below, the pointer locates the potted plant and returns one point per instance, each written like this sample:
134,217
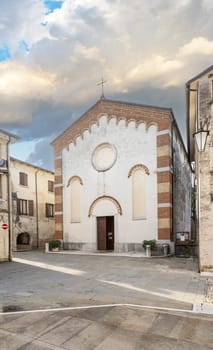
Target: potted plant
151,243
54,245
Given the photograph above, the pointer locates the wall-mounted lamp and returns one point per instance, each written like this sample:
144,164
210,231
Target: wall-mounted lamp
193,166
201,137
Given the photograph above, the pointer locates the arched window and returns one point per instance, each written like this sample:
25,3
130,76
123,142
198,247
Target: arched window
139,177
75,183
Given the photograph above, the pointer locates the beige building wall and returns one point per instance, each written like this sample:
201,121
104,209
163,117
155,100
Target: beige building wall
5,202
29,205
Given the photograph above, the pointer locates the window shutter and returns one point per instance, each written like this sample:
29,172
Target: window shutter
25,180
47,210
30,208
50,186
18,206
21,181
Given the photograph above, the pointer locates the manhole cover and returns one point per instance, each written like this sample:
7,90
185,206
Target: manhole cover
11,308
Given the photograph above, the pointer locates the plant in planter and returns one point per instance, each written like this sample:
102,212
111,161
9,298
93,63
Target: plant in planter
151,243
54,245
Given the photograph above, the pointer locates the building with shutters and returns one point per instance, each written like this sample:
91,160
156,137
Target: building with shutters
6,139
121,176
32,205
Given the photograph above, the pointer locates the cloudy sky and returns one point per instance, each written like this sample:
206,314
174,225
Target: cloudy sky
53,54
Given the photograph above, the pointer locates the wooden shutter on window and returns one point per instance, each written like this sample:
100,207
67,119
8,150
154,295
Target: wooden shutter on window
47,212
23,179
30,208
18,205
50,186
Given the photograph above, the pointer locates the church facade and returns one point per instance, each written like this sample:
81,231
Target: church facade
121,177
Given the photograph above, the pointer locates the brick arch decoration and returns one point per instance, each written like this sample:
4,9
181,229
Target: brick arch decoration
137,167
73,178
109,198
109,117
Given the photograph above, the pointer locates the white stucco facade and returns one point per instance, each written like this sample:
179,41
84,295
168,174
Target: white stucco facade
134,146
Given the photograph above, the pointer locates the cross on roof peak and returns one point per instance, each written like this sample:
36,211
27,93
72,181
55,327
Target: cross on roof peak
102,82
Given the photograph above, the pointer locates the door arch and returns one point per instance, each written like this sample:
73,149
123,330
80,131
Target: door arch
23,240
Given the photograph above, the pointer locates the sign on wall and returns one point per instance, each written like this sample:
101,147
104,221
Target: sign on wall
4,226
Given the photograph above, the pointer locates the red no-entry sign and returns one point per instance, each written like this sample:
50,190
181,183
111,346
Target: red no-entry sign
4,226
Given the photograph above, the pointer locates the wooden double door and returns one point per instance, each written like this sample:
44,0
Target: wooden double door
105,233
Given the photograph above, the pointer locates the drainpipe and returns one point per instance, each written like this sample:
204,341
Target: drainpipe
173,235
36,199
9,204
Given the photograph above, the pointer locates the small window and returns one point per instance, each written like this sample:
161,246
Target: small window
23,180
24,207
49,210
50,186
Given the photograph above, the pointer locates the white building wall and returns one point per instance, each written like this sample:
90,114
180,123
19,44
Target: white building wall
134,146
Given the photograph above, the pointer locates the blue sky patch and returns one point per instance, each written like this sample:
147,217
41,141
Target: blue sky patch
24,47
4,53
53,5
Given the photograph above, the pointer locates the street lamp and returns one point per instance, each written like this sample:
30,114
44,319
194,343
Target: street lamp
201,137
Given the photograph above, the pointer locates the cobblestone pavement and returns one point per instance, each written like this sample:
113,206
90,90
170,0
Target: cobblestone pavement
41,281
114,328
38,280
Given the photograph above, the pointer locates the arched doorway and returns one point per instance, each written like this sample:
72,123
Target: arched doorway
105,209
23,241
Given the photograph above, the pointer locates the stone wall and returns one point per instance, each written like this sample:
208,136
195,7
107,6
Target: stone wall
205,176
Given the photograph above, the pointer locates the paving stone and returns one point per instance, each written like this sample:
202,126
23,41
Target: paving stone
64,332
11,341
165,324
89,338
198,331
121,340
36,346
138,321
19,324
183,345
157,342
44,325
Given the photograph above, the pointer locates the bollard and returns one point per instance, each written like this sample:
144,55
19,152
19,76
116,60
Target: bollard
46,247
148,251
165,249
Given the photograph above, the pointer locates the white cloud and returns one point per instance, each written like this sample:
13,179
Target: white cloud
21,80
198,46
155,67
131,44
21,88
21,20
